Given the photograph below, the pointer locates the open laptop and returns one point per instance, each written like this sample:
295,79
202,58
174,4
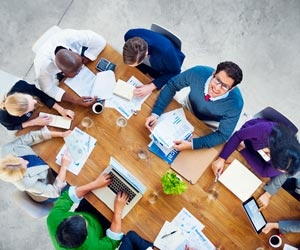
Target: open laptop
123,180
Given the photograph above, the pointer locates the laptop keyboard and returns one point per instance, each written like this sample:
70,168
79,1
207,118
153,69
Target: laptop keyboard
117,185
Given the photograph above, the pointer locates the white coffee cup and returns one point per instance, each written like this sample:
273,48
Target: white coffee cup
97,107
275,241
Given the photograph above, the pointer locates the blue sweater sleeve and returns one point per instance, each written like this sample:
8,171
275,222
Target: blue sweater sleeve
289,226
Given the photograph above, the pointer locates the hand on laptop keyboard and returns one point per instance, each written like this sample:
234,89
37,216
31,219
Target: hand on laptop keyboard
120,201
102,180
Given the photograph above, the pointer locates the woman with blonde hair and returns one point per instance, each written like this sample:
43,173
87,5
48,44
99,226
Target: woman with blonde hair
20,102
21,166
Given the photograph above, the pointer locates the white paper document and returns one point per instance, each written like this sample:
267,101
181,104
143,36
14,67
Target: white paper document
184,229
103,84
82,83
87,144
172,126
240,180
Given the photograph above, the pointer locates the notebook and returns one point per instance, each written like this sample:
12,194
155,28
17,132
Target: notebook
123,180
240,180
124,90
58,121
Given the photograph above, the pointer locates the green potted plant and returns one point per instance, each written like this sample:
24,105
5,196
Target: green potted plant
172,183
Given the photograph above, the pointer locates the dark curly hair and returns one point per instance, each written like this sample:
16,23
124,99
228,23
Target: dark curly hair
284,150
232,70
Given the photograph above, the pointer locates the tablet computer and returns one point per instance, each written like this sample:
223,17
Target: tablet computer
255,216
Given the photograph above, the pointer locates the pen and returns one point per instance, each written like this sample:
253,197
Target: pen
166,235
87,99
217,177
134,112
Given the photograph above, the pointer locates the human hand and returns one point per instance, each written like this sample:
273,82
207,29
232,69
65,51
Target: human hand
85,60
187,247
269,226
144,90
66,159
66,133
150,122
182,145
218,166
120,202
102,180
42,120
87,101
67,113
263,200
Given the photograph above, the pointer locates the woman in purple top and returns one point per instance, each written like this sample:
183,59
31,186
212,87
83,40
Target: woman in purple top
253,135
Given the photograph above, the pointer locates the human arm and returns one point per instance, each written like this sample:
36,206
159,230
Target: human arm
167,93
218,165
270,226
92,43
64,112
85,101
284,226
144,90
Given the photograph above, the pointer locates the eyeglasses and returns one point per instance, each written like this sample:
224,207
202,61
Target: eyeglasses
224,86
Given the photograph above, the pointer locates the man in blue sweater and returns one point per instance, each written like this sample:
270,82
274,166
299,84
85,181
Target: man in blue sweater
154,54
213,96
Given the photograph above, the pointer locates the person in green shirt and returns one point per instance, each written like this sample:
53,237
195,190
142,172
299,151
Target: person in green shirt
82,230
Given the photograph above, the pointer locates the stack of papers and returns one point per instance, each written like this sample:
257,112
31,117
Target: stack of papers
103,85
170,126
80,146
240,180
184,229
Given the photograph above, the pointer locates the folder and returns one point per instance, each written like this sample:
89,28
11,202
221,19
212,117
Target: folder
191,164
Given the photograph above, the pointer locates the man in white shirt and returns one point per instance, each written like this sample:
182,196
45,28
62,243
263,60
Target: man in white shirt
63,55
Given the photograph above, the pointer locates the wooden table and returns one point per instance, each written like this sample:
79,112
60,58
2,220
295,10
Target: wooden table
226,224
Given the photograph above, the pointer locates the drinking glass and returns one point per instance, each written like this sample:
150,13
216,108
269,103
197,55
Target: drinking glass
153,197
121,122
143,153
87,122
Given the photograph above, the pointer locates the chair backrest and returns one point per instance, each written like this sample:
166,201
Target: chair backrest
50,32
34,209
171,36
271,114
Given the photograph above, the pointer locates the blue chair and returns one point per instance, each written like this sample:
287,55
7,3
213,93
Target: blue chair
272,114
171,36
34,209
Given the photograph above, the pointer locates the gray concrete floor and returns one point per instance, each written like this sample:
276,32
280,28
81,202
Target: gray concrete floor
262,36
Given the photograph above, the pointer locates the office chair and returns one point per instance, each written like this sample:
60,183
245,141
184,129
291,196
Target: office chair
34,209
50,32
172,37
272,114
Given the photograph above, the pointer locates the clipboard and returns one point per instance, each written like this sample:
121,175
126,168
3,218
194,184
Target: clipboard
191,164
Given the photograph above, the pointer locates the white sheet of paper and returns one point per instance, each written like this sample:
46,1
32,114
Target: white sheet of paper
171,241
88,143
82,83
172,126
240,180
104,84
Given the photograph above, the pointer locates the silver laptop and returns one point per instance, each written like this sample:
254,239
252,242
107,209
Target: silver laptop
123,180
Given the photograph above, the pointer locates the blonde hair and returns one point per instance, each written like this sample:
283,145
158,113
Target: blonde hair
11,169
17,104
